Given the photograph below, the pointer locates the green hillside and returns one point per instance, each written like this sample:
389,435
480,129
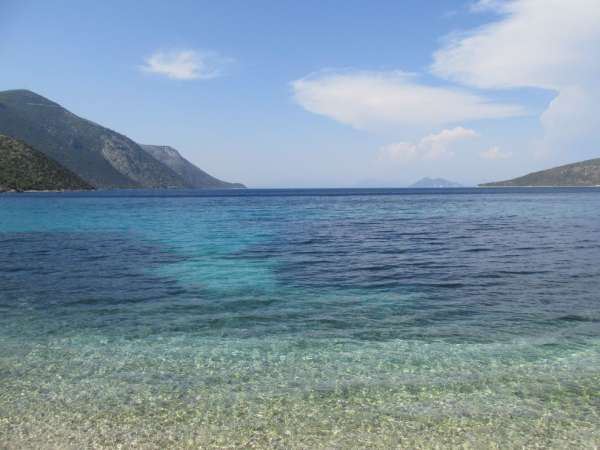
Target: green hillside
585,173
22,168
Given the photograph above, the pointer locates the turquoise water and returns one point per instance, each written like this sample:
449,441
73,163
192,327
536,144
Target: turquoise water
300,319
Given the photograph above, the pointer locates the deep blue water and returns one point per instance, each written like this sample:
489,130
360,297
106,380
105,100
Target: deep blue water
300,318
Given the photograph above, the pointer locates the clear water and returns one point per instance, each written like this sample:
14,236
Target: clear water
300,319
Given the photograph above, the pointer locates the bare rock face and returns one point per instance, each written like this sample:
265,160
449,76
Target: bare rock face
195,177
129,159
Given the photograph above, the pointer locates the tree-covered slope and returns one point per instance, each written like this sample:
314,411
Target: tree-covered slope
585,173
195,177
22,168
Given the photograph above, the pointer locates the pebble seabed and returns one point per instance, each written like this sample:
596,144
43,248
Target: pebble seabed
178,392
297,321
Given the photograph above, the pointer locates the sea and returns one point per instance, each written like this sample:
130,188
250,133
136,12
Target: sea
300,319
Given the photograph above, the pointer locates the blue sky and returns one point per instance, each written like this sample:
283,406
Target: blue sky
323,93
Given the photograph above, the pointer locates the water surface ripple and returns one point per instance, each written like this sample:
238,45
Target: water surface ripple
300,319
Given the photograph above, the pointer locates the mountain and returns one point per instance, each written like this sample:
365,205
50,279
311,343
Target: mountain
585,173
193,176
102,157
24,169
434,183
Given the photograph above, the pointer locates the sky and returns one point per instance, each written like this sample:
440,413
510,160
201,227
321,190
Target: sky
324,93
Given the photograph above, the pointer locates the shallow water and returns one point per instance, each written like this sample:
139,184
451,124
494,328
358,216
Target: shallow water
300,319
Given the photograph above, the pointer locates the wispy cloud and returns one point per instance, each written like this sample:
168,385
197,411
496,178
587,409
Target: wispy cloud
495,154
537,43
432,147
380,100
548,44
488,5
186,64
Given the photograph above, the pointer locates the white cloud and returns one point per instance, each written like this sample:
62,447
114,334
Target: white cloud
379,100
548,44
542,44
536,43
432,147
495,154
400,152
186,64
487,5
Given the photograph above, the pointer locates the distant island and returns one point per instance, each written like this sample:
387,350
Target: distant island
24,169
102,158
581,174
434,183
